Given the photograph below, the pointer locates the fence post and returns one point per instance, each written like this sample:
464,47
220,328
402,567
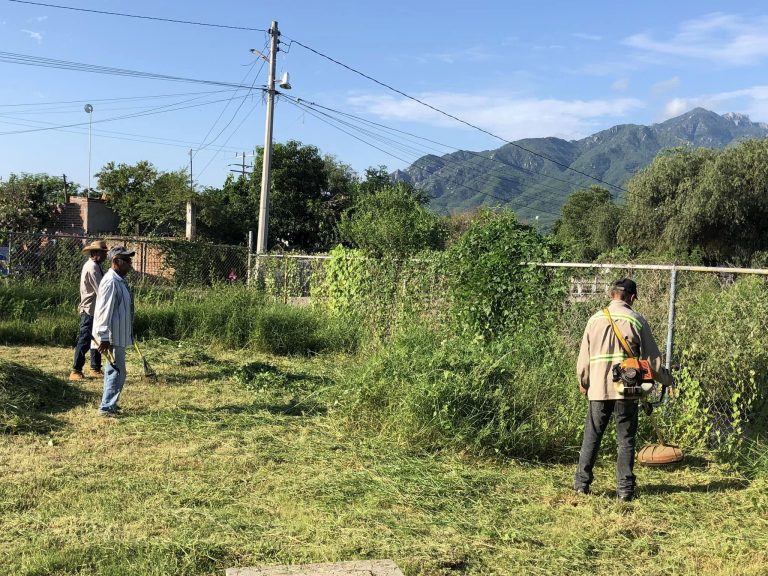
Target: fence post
671,318
250,251
10,245
285,279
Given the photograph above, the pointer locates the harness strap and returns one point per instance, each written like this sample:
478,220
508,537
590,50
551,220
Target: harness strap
619,335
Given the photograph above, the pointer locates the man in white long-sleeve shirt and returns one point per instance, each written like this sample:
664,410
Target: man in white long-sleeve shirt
113,325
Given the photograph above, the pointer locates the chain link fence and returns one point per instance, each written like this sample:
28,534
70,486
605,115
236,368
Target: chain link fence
171,262
708,323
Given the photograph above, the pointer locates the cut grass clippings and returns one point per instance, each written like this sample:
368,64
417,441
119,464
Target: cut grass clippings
207,471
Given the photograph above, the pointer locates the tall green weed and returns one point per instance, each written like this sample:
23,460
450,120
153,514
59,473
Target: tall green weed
514,397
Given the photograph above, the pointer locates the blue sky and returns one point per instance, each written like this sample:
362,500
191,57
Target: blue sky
516,69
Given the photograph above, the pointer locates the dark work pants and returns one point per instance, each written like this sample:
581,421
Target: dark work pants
625,414
84,344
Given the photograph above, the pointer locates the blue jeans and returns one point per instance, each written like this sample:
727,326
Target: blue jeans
114,379
625,414
84,344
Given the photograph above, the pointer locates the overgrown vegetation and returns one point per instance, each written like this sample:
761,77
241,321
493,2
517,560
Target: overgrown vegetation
203,473
233,316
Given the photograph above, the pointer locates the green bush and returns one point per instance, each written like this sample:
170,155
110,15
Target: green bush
516,397
723,385
495,288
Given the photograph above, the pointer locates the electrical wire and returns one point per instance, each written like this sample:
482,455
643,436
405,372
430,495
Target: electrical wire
124,15
462,184
454,148
152,96
227,140
453,117
152,111
476,155
203,145
541,206
110,134
28,60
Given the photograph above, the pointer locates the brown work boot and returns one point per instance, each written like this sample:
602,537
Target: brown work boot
96,373
76,375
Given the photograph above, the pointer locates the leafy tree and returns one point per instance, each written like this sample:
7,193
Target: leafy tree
27,201
147,201
706,201
226,214
307,193
393,220
589,223
495,288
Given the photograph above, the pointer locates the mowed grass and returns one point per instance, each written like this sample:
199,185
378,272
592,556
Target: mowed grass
203,473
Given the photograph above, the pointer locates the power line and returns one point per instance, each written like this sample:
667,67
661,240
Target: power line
138,16
151,111
510,201
205,144
475,154
149,97
444,161
453,117
27,60
110,134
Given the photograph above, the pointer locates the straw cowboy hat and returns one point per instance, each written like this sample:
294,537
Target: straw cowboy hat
95,245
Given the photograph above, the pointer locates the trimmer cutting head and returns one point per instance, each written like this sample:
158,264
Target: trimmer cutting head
659,454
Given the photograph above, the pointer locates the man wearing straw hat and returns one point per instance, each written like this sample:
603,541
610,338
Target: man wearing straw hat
90,277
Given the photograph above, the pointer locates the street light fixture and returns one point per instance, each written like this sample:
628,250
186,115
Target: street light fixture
89,110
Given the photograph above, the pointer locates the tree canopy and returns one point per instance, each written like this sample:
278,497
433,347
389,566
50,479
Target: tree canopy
589,223
147,200
27,201
392,220
713,202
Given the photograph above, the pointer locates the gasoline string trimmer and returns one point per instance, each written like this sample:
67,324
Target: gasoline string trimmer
149,374
635,378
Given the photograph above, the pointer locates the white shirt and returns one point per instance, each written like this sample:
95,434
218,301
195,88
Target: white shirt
113,313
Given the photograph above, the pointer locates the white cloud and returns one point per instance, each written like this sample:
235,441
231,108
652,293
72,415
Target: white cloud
472,54
509,118
38,19
666,85
752,101
583,36
621,84
36,36
720,38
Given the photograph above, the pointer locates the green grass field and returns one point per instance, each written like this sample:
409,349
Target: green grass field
204,473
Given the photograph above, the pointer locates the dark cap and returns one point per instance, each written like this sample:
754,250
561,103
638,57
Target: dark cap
120,252
626,285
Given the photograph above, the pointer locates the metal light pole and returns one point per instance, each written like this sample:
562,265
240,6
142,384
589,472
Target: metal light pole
89,110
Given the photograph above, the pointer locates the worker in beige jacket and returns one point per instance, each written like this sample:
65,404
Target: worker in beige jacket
600,351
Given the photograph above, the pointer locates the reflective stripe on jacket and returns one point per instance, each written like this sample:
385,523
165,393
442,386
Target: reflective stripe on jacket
600,349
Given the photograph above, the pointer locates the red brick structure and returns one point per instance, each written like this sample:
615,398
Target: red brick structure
85,216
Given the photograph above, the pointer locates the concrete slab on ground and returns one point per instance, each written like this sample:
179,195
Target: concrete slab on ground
364,568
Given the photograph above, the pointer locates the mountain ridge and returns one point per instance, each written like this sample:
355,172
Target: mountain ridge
534,186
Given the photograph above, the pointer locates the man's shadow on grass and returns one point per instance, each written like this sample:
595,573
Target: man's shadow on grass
31,400
716,486
698,464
